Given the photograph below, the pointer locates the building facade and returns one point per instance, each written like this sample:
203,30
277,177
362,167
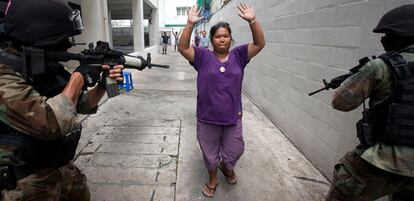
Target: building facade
173,15
97,17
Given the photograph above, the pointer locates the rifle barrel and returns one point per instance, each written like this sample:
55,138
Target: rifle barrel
159,65
317,91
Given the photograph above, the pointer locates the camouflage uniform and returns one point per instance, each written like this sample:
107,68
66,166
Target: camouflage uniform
368,174
51,184
24,110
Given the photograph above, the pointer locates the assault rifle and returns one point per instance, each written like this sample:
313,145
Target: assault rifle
103,54
336,82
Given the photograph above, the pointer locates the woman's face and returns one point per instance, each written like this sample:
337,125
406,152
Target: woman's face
221,40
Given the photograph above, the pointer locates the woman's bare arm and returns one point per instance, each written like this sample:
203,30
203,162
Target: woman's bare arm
184,43
247,13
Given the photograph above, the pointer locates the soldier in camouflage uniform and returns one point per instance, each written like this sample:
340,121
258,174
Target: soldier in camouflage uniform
386,167
39,129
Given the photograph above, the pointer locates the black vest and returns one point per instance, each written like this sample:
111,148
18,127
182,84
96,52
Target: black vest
393,121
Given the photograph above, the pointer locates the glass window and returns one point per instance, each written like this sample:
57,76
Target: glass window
182,11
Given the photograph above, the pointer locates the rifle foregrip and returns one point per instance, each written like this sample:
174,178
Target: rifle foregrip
111,86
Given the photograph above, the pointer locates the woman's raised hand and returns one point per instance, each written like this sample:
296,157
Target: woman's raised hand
194,15
247,12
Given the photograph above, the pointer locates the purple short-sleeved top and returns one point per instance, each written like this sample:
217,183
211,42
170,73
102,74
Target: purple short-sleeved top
219,93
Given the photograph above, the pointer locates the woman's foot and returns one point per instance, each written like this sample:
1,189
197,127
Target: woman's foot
229,174
209,191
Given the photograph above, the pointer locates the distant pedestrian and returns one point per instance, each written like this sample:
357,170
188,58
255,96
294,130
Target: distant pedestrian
176,38
165,39
197,39
219,81
205,40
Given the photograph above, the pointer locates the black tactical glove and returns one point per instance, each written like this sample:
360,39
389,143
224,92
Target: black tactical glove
91,74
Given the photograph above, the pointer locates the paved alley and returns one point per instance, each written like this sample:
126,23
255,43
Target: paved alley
141,146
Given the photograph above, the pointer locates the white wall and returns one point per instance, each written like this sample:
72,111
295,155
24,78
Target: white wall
95,20
152,3
168,11
306,42
76,1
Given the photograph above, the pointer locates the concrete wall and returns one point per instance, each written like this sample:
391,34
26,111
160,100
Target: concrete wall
152,3
308,40
95,20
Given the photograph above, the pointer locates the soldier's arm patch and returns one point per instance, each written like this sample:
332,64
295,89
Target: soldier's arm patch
65,113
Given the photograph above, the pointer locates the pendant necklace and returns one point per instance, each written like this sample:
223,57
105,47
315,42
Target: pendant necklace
222,69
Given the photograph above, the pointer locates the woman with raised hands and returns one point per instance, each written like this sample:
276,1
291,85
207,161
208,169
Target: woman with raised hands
219,85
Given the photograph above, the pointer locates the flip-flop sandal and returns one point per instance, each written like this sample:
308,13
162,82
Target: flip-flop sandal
210,190
229,178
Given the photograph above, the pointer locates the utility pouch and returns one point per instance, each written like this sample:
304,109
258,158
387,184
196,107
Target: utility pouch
7,178
364,131
55,153
38,154
68,147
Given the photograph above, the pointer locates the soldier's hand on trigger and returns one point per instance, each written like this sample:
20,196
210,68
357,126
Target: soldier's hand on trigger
115,73
91,75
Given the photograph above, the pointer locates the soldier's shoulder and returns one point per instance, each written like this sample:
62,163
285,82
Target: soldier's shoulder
376,65
380,69
408,56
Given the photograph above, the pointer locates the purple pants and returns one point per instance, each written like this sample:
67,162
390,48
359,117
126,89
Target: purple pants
220,143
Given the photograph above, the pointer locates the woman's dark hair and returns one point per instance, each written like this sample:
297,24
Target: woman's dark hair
214,28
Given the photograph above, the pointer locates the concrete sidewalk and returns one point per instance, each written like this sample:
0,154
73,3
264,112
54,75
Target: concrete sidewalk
142,145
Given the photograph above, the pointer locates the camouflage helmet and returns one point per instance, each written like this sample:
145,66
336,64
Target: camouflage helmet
41,23
398,22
